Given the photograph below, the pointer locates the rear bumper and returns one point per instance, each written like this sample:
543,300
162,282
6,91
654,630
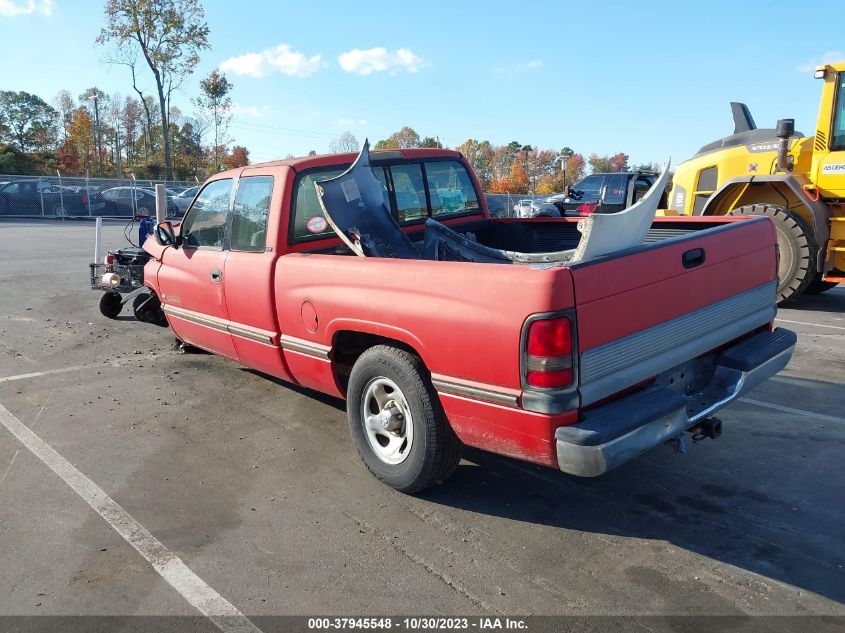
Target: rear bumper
617,432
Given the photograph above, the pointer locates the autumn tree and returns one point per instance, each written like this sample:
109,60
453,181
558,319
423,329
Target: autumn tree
215,107
432,142
403,139
346,142
80,139
479,155
30,122
600,164
170,35
238,157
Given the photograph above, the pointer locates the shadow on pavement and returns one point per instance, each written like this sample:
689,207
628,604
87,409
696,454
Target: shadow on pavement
831,301
767,497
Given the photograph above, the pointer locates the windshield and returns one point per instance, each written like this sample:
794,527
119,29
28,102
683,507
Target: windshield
839,118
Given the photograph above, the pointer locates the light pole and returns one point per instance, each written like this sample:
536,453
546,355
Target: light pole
564,158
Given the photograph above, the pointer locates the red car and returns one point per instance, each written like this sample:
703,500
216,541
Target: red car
579,367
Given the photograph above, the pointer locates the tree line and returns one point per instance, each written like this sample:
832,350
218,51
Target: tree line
142,133
515,168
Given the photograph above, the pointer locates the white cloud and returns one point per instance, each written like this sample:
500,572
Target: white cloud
351,122
379,59
281,58
512,70
256,112
11,8
828,58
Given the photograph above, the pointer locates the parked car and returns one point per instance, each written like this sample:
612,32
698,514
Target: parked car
537,208
580,368
605,193
183,199
119,202
40,197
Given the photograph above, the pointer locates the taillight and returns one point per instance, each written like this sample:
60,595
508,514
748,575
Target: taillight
549,353
109,259
85,198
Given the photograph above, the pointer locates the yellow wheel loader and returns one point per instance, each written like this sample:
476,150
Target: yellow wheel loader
797,181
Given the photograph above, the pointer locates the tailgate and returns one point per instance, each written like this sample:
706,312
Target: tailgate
644,311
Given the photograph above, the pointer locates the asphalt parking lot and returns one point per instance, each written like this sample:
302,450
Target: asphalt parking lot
255,485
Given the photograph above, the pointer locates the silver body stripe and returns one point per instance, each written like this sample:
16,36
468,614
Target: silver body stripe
478,393
238,329
305,347
614,366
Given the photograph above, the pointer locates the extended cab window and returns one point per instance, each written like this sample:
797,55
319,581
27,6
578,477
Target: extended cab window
205,223
409,191
450,188
250,212
308,219
308,214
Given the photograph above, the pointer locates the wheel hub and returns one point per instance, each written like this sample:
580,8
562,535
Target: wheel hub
387,420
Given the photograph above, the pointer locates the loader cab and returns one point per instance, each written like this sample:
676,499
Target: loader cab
829,144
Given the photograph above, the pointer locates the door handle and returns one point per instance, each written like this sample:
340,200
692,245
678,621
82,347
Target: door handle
693,258
216,275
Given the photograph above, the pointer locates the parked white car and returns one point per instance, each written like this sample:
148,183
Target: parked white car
183,199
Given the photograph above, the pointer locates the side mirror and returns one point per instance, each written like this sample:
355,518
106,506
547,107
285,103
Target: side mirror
165,235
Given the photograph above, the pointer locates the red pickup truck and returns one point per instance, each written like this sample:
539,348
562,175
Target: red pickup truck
580,367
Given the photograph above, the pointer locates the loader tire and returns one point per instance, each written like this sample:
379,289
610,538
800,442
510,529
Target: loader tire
818,285
796,245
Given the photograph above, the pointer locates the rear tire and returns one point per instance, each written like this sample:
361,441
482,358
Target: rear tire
417,448
797,246
111,304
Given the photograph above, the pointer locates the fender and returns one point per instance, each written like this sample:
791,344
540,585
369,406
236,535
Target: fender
818,210
376,329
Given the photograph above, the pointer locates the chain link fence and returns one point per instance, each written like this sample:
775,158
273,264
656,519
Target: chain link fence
27,196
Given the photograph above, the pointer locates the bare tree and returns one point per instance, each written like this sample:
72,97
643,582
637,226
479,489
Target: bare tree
215,107
346,142
170,35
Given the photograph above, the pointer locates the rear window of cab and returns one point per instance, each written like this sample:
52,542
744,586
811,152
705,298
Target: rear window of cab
412,191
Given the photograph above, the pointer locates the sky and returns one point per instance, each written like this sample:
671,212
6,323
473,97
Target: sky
653,79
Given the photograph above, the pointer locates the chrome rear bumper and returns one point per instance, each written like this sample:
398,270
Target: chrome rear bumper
612,434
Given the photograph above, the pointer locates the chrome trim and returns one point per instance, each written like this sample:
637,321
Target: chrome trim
237,329
478,393
305,347
188,315
616,365
252,334
726,386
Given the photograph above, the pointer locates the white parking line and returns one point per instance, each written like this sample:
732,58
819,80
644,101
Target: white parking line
169,566
833,327
43,373
780,407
